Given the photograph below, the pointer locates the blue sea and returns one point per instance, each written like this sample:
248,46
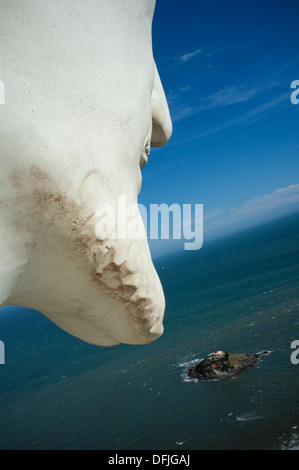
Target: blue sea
239,294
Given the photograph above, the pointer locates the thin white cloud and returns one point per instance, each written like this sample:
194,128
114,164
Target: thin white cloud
269,206
213,215
224,97
169,61
219,222
255,114
189,55
230,95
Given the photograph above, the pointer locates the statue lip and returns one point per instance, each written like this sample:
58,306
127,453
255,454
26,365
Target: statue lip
145,154
143,160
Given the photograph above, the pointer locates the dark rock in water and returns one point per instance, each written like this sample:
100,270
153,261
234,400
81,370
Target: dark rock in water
221,364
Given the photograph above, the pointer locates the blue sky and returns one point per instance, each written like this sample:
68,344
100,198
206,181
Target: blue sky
227,69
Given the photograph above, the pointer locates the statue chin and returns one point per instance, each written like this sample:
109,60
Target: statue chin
97,287
125,297
126,300
125,270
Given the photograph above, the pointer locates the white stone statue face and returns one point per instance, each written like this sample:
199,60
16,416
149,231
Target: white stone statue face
83,104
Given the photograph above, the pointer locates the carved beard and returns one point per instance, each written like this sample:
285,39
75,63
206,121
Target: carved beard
106,291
